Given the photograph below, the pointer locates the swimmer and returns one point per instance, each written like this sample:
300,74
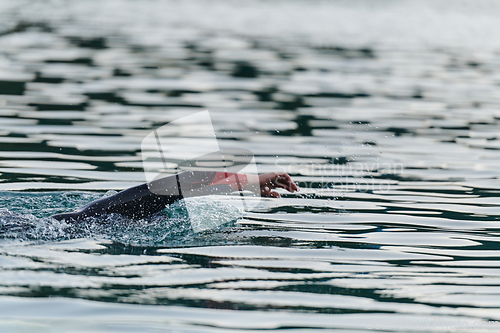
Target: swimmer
150,198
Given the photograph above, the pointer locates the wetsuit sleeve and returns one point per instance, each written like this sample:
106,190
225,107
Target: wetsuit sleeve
197,183
237,181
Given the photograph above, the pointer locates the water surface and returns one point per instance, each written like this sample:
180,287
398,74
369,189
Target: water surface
388,124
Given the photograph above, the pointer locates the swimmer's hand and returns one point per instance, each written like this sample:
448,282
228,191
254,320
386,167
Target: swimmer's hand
274,180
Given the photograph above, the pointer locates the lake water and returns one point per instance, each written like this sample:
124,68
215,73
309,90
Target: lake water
386,113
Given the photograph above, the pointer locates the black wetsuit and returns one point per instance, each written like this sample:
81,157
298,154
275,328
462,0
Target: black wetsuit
149,198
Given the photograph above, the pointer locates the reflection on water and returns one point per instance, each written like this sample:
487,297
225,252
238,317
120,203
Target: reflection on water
386,115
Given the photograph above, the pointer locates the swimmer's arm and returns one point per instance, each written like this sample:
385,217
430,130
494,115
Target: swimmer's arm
141,201
259,184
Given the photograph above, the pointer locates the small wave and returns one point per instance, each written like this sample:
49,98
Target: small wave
29,227
173,223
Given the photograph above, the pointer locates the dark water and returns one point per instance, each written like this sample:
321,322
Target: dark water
385,114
